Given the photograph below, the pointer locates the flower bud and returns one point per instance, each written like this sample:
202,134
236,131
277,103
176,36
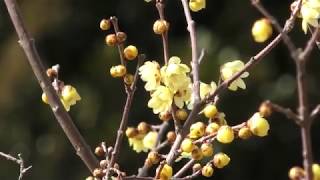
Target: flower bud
111,40
118,71
212,128
265,109
296,173
244,133
128,79
196,153
197,5
210,111
207,170
196,167
225,134
207,149
197,130
181,114
258,125
153,157
187,145
160,26
165,116
105,24
143,128
121,37
98,173
166,172
99,151
261,30
51,73
44,98
316,171
103,163
171,136
220,160
130,52
131,132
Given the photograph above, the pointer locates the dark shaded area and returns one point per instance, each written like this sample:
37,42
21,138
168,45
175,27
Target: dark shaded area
67,33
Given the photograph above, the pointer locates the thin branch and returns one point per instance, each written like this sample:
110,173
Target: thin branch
315,112
192,176
19,161
184,169
285,111
64,119
116,28
124,119
310,46
160,7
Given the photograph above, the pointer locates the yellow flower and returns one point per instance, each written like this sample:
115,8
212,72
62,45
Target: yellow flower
150,73
261,30
69,96
225,134
220,160
150,140
316,171
197,5
182,96
161,100
258,125
205,89
197,130
137,144
310,13
231,68
207,170
174,75
166,172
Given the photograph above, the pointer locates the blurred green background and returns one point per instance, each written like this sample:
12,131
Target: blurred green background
67,33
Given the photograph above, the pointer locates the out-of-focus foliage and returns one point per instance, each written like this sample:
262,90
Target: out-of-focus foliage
67,33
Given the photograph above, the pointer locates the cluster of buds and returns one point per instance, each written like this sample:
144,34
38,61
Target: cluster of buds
104,153
142,138
128,53
296,172
67,93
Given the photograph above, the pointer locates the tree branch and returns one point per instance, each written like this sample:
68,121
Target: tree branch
63,118
285,111
19,161
125,116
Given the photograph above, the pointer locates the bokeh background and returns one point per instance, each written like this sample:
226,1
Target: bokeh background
67,33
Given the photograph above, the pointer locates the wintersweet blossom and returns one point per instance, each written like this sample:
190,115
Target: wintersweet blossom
310,13
231,68
197,5
182,96
161,99
205,89
68,97
174,75
150,140
150,73
137,144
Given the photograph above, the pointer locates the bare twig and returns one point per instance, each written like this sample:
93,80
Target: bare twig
285,111
116,28
19,161
315,112
160,7
192,176
125,116
64,119
184,169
